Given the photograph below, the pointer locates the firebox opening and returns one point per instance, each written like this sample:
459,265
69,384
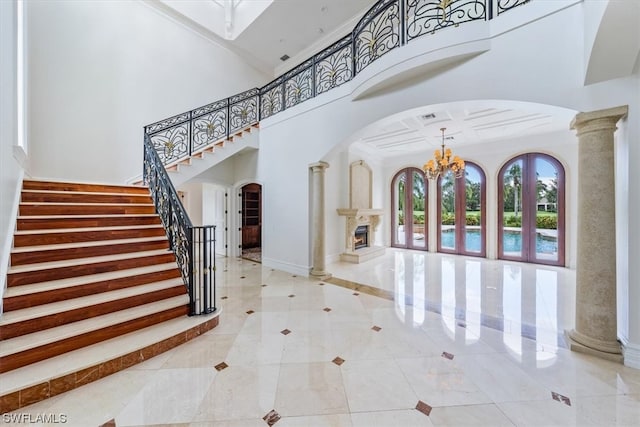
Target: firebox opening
361,237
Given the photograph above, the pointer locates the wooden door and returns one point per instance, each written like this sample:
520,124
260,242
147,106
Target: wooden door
251,216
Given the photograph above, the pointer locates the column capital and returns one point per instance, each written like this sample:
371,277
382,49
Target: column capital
598,120
319,166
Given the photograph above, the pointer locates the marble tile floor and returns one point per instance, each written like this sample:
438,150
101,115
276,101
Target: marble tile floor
450,341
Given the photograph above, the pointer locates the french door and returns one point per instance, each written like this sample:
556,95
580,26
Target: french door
461,212
409,210
531,219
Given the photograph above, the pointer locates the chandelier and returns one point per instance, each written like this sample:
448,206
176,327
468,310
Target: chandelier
443,163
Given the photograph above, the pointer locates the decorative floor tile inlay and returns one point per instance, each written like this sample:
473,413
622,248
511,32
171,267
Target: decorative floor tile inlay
447,355
291,296
220,366
462,324
356,294
338,361
376,328
423,407
327,309
242,277
272,417
285,332
224,297
561,398
264,285
250,312
321,284
110,423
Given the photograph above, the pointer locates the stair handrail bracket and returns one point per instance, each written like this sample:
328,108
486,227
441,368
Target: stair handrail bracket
193,246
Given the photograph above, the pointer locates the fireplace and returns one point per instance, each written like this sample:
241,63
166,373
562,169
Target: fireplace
361,237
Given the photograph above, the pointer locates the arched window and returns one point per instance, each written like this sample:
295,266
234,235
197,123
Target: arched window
409,209
531,210
461,212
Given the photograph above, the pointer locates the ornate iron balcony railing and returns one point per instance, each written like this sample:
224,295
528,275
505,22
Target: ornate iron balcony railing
389,24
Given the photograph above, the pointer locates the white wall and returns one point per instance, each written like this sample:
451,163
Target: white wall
12,158
101,70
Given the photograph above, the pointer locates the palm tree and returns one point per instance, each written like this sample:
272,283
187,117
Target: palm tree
513,178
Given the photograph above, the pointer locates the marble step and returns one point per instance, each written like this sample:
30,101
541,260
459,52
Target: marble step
48,378
34,347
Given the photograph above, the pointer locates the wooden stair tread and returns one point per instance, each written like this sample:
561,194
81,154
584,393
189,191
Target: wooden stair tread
80,204
84,229
15,269
83,358
14,291
37,339
55,247
40,184
12,317
71,217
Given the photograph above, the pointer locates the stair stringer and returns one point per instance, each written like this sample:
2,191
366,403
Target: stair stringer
196,165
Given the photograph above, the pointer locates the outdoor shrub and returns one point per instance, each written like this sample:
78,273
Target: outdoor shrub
418,218
401,219
448,219
548,222
513,221
473,219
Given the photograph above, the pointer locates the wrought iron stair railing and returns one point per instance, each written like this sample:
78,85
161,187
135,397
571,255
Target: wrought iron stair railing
193,246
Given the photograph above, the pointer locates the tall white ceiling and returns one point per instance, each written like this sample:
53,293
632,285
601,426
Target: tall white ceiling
285,27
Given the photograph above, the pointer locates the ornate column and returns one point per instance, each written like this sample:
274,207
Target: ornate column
317,207
596,319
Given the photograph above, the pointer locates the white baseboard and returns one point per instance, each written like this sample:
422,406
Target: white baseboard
284,266
6,245
631,355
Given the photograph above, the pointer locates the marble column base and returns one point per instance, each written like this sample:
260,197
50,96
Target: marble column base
320,274
604,350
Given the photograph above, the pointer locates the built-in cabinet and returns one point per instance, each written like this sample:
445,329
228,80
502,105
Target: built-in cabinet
251,216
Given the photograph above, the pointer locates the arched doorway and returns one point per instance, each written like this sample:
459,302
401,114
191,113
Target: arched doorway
531,210
251,229
462,212
409,209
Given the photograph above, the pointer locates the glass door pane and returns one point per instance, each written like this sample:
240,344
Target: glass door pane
472,226
448,212
545,233
512,210
418,209
399,197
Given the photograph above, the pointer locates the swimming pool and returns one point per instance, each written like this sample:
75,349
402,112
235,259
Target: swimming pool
512,241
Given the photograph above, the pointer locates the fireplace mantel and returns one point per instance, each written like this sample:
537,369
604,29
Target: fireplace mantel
356,218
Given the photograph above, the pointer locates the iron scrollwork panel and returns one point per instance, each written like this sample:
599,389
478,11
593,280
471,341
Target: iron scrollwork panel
243,114
377,33
271,99
428,16
209,128
298,88
172,144
504,5
334,67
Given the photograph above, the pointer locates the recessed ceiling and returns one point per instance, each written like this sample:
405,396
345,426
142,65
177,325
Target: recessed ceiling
467,124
